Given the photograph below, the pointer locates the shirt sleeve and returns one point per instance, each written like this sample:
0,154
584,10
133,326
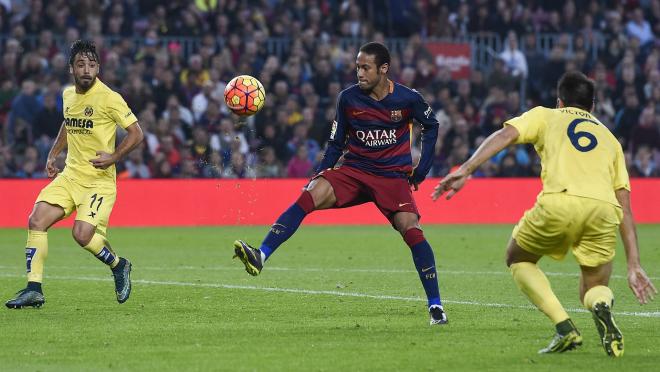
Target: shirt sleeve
338,137
621,180
423,113
529,125
119,111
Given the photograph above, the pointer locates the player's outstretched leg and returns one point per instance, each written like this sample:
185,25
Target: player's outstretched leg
99,246
425,265
282,229
36,251
599,300
533,283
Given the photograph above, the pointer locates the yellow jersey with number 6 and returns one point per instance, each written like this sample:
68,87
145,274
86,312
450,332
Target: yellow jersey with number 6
91,120
579,155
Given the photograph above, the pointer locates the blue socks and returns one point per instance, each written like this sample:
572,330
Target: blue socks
424,263
287,224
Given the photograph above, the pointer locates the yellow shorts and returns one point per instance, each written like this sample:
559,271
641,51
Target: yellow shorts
559,221
92,203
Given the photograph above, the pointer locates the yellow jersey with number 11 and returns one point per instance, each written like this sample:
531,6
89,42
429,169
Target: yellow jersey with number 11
91,120
579,155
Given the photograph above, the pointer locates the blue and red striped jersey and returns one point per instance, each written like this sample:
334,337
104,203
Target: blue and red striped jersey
376,135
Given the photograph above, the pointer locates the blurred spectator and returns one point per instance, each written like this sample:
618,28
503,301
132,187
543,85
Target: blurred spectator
201,146
135,166
166,86
213,168
299,166
238,168
300,138
626,118
268,166
644,164
169,151
227,137
639,28
513,58
499,77
46,125
509,167
5,172
201,100
189,168
21,117
31,166
647,132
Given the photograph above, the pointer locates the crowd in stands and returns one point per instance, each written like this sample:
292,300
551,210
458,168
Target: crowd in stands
189,133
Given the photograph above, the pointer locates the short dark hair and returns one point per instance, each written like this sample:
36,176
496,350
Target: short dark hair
84,47
379,51
575,89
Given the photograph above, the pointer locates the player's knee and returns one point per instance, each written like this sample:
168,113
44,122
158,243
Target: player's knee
404,222
82,236
413,236
306,202
321,194
37,222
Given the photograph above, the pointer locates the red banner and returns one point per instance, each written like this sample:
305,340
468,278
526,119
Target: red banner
260,202
453,55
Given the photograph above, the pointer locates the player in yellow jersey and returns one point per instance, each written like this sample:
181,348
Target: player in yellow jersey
87,185
585,198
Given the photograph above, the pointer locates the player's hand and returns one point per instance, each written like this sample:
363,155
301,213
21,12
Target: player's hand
415,180
453,183
51,169
641,285
103,161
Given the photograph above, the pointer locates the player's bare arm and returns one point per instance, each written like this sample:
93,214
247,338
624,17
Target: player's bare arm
133,139
58,146
495,143
638,281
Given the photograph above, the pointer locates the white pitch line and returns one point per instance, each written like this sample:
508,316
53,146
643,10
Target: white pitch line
339,270
651,314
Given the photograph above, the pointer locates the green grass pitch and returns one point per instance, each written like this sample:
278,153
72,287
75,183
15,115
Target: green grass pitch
331,298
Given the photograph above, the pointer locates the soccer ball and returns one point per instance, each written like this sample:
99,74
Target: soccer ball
244,95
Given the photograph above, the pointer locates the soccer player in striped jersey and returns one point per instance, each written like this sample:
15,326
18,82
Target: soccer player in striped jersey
372,130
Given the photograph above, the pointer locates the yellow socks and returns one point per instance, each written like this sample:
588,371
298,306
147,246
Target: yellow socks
101,249
532,282
597,294
36,251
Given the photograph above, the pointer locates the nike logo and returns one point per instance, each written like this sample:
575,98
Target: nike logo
427,269
402,204
279,224
356,113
